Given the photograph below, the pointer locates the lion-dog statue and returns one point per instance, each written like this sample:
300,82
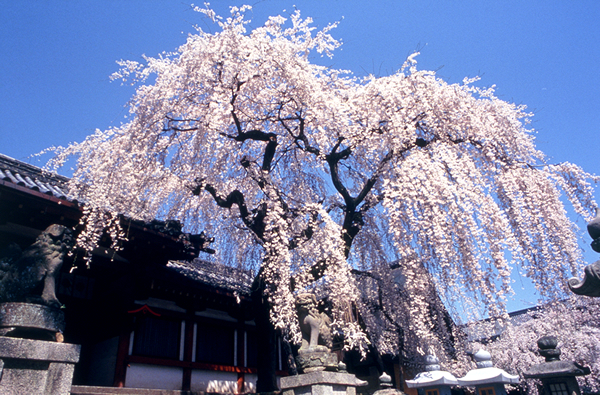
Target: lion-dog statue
315,326
30,276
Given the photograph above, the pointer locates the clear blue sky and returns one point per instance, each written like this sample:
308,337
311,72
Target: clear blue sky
57,56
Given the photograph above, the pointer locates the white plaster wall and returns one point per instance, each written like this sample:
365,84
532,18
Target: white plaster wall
250,383
149,376
209,381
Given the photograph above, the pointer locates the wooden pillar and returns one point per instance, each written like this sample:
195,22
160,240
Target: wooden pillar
240,352
188,344
240,383
398,377
121,363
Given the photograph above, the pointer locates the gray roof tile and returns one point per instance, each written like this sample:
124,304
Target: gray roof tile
32,177
215,275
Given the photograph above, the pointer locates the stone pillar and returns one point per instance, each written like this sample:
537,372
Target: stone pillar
29,365
36,367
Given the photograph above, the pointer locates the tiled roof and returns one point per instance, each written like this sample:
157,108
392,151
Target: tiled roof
32,177
215,275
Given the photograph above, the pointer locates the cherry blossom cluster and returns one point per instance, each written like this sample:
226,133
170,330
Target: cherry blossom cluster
318,180
576,324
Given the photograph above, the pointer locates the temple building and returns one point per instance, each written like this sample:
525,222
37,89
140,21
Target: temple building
152,315
148,316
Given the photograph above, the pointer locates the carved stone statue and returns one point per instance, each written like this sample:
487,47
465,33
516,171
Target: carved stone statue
315,352
30,276
315,326
33,357
590,285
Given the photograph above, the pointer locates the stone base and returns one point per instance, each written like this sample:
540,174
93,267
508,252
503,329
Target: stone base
31,321
388,391
317,360
321,383
36,367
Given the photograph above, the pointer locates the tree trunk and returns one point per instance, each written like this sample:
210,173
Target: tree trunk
266,338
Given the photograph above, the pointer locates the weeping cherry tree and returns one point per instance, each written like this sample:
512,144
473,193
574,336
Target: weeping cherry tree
308,175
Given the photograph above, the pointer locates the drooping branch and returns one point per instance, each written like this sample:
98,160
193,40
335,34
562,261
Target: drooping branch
172,124
380,305
353,210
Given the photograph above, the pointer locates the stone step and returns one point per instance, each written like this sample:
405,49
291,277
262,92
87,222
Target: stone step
90,390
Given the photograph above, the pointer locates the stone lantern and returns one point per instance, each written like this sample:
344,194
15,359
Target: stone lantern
487,379
432,381
386,386
558,377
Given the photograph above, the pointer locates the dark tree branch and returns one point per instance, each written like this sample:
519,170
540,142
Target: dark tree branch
353,218
301,137
316,271
332,160
269,152
305,235
255,135
371,181
254,222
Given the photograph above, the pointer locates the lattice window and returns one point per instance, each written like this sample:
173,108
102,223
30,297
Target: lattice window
558,389
215,344
487,391
157,337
